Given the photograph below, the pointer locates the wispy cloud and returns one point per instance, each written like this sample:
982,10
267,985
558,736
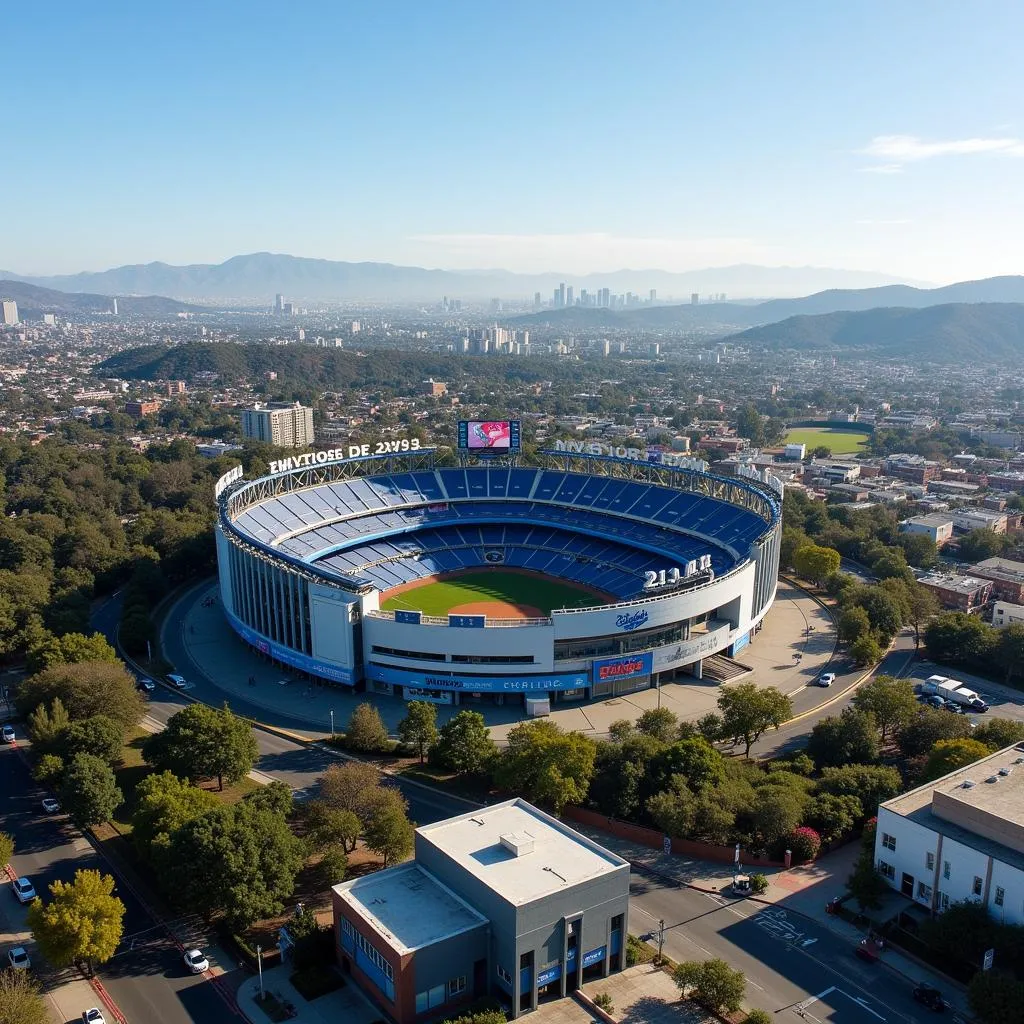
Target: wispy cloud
892,222
897,150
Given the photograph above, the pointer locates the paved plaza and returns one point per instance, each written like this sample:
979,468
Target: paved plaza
201,645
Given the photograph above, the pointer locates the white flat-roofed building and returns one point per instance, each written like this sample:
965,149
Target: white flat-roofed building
505,901
935,525
1005,614
960,838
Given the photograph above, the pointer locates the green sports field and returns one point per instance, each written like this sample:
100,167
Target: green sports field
495,591
842,442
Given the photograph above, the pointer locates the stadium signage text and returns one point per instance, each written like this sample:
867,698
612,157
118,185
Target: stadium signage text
353,451
616,669
628,621
618,451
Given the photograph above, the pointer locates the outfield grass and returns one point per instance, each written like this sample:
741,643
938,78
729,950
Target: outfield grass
842,442
490,585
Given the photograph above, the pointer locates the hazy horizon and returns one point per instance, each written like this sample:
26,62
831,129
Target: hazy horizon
530,137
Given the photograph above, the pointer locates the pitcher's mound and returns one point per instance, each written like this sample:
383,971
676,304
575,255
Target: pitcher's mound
497,610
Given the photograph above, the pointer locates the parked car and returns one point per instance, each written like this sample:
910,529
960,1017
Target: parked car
18,958
93,1016
196,962
930,997
826,679
145,685
50,805
954,709
935,702
8,733
24,890
175,680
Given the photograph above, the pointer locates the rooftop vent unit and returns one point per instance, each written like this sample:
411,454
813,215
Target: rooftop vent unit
519,844
1005,772
967,784
1019,760
992,778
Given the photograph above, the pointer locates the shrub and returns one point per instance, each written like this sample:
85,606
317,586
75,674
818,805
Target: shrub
603,1001
759,1017
758,884
804,843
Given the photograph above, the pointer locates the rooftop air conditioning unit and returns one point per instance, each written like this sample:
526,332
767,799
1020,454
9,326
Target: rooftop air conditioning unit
1005,772
517,843
992,778
967,784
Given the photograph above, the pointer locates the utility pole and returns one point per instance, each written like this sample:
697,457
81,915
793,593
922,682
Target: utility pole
661,936
259,965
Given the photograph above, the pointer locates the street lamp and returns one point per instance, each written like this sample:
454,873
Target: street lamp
332,725
259,967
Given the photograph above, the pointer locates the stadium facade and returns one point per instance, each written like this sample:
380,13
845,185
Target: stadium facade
687,562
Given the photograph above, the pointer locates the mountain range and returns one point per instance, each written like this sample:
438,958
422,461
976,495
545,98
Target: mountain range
958,332
256,278
34,301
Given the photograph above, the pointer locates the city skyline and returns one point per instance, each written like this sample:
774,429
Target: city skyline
560,139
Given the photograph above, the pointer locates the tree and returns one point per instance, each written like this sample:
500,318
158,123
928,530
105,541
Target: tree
71,648
6,848
661,723
834,816
694,760
710,726
959,639
919,549
81,922
48,770
98,735
21,1001
849,738
891,701
949,755
884,608
871,784
351,786
1009,649
333,867
327,827
712,983
996,997
240,860
776,814
815,563
853,624
276,796
366,730
389,832
46,723
922,607
929,726
89,791
85,689
419,727
163,803
464,744
551,766
866,650
759,1017
748,710
201,742
978,545
804,843
673,810
750,424
997,733
864,883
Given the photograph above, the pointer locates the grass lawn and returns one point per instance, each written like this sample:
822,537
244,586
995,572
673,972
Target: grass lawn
491,585
842,442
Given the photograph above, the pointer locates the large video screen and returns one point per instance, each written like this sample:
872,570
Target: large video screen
498,436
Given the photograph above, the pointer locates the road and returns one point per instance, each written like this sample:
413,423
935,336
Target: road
146,977
791,963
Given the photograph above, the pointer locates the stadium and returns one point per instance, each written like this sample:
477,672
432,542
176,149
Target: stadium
592,572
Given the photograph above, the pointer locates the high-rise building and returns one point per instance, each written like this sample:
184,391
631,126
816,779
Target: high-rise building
694,299
10,308
654,295
568,296
282,424
560,296
279,303
536,300
114,309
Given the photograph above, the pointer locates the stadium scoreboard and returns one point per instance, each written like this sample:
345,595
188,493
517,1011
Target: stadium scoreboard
494,437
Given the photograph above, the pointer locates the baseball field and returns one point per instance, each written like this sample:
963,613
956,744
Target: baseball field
841,442
497,593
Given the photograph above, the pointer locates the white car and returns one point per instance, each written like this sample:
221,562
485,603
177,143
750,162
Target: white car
196,962
50,805
93,1016
826,679
8,733
175,680
24,890
18,958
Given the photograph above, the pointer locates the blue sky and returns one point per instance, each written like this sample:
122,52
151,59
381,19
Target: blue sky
526,135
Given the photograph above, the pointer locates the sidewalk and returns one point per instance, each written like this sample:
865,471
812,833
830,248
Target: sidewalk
345,1004
803,890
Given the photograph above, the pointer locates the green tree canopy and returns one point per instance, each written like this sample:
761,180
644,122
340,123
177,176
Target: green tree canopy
418,728
85,689
49,650
693,759
351,786
6,848
163,803
389,833
748,710
326,827
997,733
866,650
960,639
21,1000
1009,650
834,816
929,726
366,731
546,764
47,722
853,624
712,983
891,701
849,738
814,562
201,742
871,784
673,810
464,744
948,755
82,920
997,997
661,723
89,791
99,735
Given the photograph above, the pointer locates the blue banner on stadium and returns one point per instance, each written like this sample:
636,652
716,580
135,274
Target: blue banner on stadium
285,654
468,621
407,616
613,669
475,684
